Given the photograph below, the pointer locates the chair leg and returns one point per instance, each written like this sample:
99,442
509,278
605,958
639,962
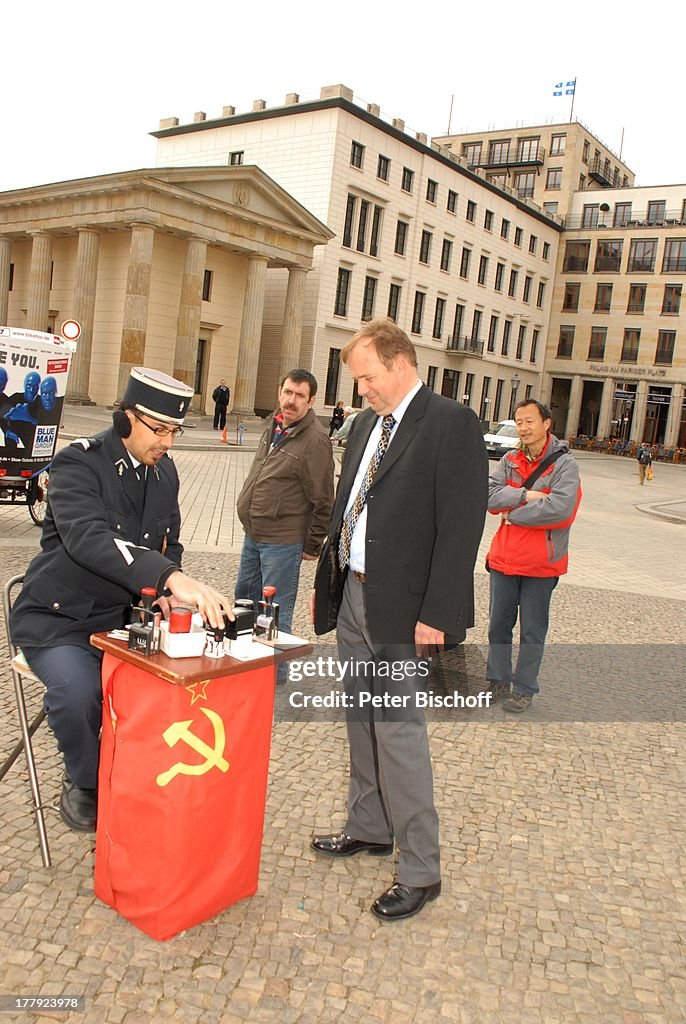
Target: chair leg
26,732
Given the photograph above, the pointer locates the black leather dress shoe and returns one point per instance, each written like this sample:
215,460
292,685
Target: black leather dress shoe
401,901
341,845
78,807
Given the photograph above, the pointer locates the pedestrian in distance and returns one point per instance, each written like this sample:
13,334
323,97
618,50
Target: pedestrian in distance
337,417
220,397
644,459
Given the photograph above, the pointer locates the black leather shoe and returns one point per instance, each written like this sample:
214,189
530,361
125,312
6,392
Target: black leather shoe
341,845
78,806
401,901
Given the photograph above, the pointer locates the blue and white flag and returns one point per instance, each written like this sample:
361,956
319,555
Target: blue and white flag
564,88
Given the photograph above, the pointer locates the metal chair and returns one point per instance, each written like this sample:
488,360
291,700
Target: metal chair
20,673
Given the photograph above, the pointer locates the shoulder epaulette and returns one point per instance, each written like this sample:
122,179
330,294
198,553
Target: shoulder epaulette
87,442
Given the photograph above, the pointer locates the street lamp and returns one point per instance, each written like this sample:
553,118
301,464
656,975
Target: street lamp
513,395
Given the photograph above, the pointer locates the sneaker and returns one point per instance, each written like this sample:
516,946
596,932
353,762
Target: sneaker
500,691
517,702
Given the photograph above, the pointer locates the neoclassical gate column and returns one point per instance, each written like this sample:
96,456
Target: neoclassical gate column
5,250
292,320
251,332
574,410
85,286
135,319
39,282
190,304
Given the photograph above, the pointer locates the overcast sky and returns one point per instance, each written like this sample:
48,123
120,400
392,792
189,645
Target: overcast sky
83,84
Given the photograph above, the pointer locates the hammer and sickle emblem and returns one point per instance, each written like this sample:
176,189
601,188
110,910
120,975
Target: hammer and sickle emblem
214,756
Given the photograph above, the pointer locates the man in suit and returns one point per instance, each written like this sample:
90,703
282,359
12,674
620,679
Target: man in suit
112,528
403,541
220,397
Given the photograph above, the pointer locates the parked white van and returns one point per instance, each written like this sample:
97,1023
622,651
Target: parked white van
503,439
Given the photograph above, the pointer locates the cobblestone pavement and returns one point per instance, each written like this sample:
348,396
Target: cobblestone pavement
563,841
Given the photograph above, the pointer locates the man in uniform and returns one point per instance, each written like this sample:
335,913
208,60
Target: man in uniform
220,397
112,528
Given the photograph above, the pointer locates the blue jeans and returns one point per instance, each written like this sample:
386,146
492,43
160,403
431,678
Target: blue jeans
270,565
530,597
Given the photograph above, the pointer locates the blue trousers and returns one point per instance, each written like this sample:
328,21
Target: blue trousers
529,597
73,701
274,565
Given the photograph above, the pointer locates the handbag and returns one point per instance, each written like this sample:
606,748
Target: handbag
649,473
329,581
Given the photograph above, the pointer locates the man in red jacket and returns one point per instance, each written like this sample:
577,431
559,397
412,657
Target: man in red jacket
528,554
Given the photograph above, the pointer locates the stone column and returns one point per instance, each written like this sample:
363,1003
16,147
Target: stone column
605,408
84,311
5,250
674,416
39,282
251,331
190,304
639,418
135,319
292,320
574,407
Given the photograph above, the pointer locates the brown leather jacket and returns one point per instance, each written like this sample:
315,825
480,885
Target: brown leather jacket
287,496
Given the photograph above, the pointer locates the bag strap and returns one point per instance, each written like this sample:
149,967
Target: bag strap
548,461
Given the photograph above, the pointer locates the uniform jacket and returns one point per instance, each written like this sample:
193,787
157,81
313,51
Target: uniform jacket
535,539
288,493
425,517
99,546
220,395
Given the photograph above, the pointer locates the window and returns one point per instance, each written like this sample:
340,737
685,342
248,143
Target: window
582,182
207,286
368,298
431,191
471,211
499,271
526,294
446,254
497,402
570,300
565,345
483,269
332,371
642,256
553,179
533,241
596,347
632,338
524,182
485,400
451,383
492,332
451,205
637,298
622,215
383,167
589,217
342,290
557,144
504,228
518,237
550,208
236,158
586,151
488,220
394,301
546,250
418,312
534,346
499,152
468,387
521,335
664,353
608,256
505,344
499,180
512,287
541,294
362,226
356,154
431,377
576,257
425,247
408,178
674,259
401,237
376,232
458,320
476,325
656,212
471,151
349,218
464,262
438,319
603,298
10,286
671,300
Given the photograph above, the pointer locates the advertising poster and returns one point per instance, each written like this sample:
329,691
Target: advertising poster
34,367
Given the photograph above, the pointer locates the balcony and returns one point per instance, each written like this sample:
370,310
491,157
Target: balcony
607,218
532,155
465,345
601,172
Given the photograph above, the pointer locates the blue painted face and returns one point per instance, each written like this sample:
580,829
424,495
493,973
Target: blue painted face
48,393
31,382
3,378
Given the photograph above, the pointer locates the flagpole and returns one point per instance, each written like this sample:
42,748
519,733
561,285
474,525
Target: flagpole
450,115
571,111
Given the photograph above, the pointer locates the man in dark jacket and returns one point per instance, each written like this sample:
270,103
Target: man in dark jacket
220,397
112,528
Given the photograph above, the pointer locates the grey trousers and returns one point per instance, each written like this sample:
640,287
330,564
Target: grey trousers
391,781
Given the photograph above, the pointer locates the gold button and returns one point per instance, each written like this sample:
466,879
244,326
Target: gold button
56,605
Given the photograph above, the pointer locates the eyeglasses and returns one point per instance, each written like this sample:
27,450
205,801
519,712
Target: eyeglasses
160,431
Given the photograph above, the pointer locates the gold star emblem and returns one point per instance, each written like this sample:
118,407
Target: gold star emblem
197,690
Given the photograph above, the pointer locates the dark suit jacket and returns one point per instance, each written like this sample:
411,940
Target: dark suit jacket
425,516
100,545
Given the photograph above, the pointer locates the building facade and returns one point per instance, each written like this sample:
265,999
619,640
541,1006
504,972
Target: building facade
463,266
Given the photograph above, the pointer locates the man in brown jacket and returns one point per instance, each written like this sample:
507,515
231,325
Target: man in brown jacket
286,500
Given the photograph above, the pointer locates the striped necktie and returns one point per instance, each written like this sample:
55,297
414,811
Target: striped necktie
355,510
